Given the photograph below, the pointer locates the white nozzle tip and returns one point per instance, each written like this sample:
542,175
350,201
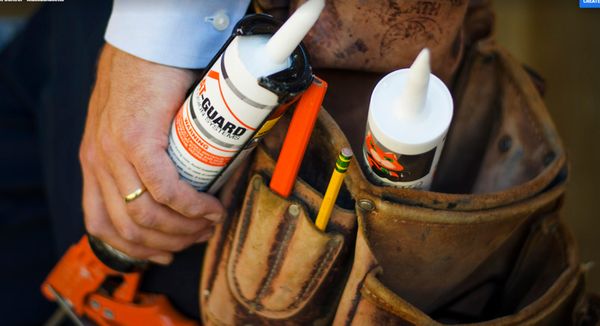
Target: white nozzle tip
414,95
286,39
422,63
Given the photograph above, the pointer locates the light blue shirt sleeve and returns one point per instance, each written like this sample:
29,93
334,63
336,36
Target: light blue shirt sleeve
180,33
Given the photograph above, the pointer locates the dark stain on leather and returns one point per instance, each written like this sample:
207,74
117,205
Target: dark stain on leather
355,301
280,245
317,270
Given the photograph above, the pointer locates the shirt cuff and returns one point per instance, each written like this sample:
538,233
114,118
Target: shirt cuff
176,33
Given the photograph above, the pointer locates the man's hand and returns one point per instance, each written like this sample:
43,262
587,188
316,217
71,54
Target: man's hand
124,148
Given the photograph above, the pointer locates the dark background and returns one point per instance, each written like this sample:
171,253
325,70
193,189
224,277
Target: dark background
562,43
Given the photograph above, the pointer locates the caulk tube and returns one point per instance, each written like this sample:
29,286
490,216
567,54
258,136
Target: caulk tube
409,115
236,102
232,106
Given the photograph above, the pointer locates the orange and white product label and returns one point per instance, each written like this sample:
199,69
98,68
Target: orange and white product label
213,125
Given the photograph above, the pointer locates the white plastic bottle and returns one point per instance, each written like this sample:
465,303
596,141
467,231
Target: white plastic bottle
228,109
409,115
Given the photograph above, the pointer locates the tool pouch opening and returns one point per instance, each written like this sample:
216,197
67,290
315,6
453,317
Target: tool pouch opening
487,245
487,248
268,262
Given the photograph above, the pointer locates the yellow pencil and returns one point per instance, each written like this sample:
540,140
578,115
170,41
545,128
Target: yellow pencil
339,172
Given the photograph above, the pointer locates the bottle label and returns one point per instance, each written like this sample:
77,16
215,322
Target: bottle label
396,169
213,124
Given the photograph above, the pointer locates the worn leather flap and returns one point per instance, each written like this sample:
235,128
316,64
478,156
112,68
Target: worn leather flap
553,288
415,246
502,138
279,258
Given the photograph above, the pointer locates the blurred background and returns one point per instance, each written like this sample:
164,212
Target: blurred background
560,42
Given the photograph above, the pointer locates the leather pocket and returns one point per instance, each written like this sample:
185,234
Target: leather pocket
279,258
542,288
276,265
430,256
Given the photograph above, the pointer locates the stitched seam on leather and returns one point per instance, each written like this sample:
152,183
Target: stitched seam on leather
290,227
314,278
245,221
275,269
226,236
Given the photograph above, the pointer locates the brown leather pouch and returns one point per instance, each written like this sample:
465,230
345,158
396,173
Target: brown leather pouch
486,246
488,249
268,262
542,288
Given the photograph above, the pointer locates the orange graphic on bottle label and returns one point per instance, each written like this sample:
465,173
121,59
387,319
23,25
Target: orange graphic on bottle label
385,162
202,87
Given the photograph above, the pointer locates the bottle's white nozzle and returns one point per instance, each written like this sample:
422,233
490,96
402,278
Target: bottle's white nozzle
413,96
286,39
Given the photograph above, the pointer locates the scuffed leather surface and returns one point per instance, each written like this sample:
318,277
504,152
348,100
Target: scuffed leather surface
505,282
278,282
485,247
464,256
374,304
266,266
380,36
374,35
446,256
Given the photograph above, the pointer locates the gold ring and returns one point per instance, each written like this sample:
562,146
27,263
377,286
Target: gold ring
135,194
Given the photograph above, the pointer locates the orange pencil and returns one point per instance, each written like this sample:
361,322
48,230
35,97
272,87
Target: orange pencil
297,137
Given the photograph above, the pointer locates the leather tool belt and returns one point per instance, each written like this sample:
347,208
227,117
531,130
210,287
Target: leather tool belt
486,246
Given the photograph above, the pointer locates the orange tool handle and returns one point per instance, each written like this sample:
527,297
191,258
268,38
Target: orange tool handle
297,137
78,278
148,310
80,273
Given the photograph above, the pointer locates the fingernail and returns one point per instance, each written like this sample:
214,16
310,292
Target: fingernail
216,217
160,259
205,237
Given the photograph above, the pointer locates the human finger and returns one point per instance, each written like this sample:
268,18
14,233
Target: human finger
134,233
144,210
